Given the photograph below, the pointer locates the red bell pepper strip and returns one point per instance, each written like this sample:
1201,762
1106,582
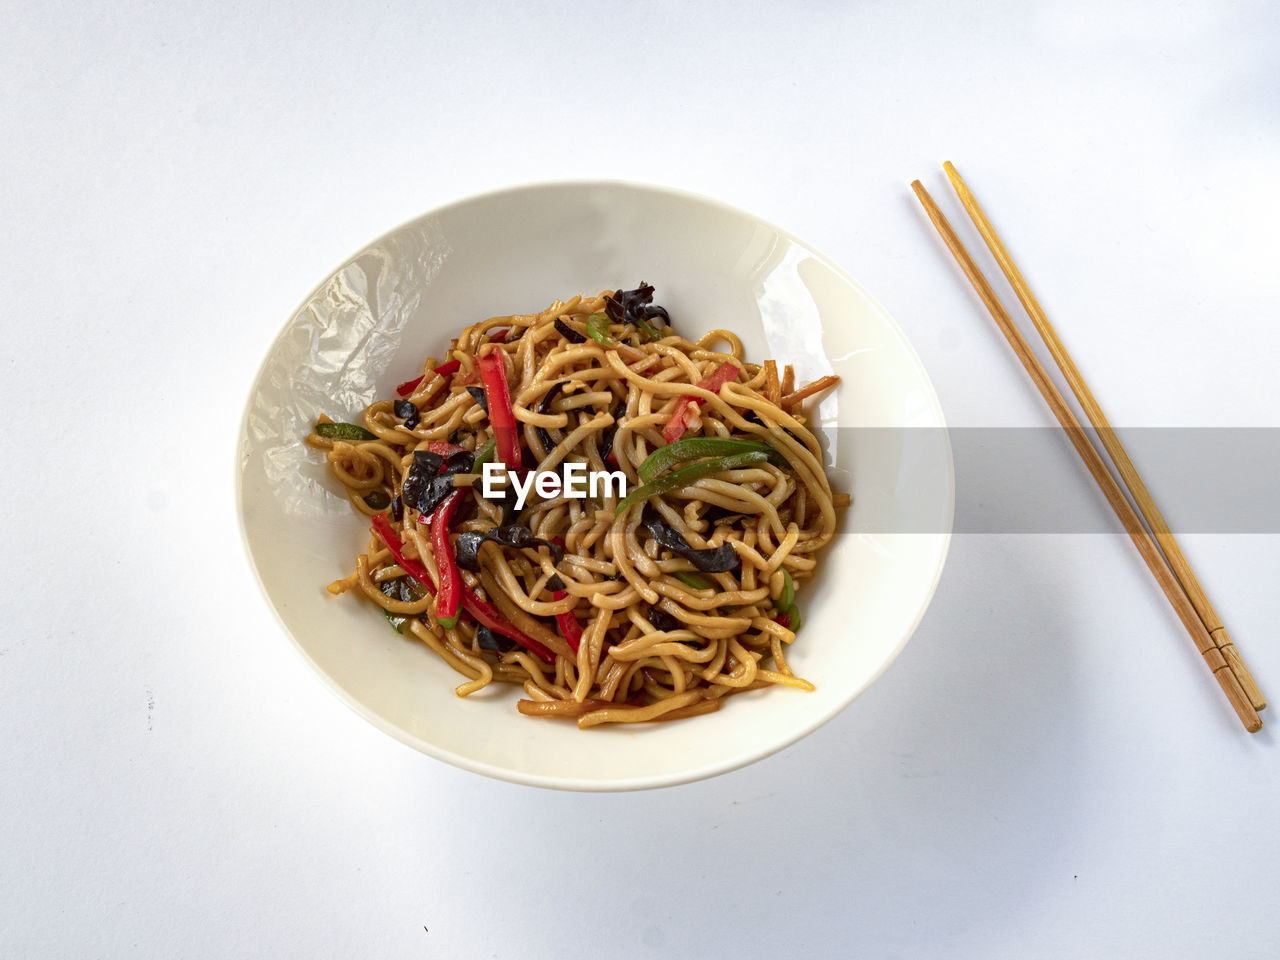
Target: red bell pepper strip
569,625
489,615
449,598
499,335
409,386
493,373
676,426
445,369
382,527
482,610
444,448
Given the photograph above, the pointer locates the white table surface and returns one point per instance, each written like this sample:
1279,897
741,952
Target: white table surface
1048,769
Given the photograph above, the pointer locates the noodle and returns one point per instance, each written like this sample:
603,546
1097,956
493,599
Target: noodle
593,611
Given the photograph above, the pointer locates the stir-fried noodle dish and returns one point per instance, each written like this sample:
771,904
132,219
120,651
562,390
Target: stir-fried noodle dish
585,503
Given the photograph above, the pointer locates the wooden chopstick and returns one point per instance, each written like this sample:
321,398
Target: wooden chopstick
1128,472
1093,461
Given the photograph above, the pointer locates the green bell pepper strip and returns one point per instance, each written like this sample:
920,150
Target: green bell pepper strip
343,431
788,612
788,597
397,620
398,590
697,447
485,453
695,580
649,330
690,474
598,329
796,619
790,618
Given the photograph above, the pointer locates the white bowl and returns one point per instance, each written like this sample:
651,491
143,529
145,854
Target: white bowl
370,324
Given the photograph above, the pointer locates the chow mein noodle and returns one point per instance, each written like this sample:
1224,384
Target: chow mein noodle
605,608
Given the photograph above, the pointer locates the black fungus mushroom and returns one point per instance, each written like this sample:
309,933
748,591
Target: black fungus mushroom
719,559
570,334
407,411
430,478
662,620
514,535
637,307
486,639
544,406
